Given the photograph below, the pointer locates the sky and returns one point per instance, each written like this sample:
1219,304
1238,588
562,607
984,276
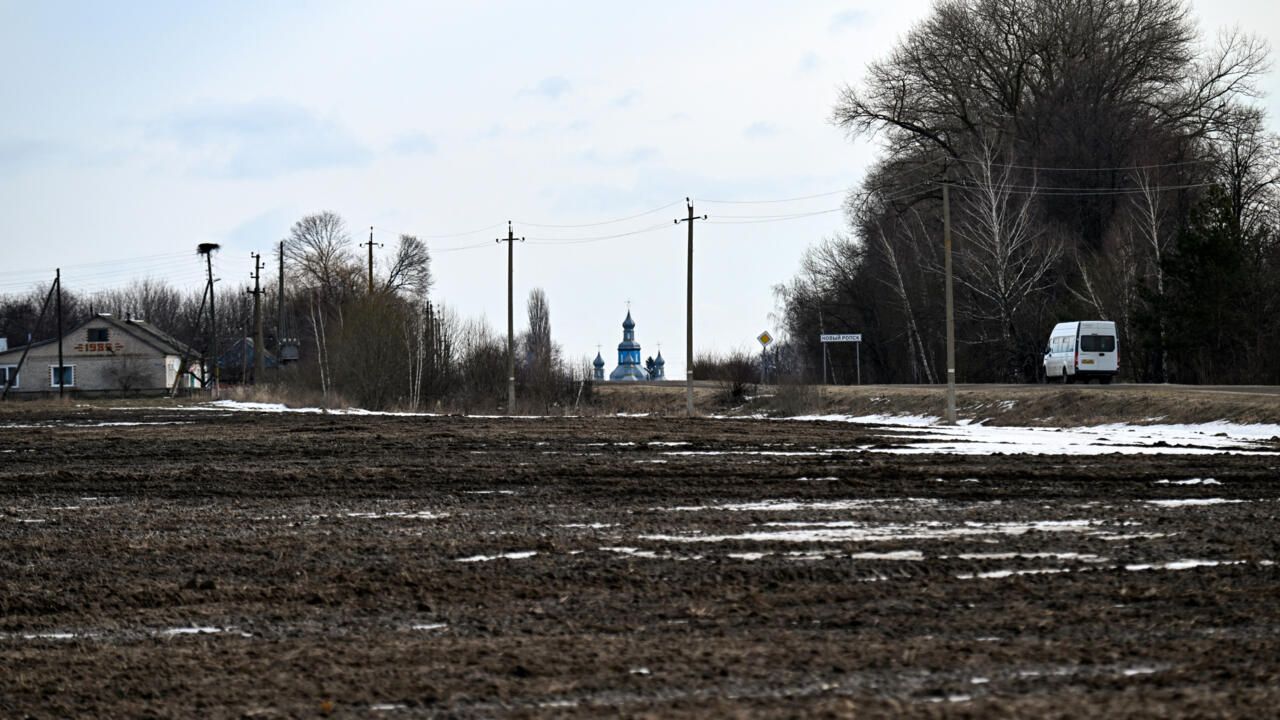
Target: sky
134,131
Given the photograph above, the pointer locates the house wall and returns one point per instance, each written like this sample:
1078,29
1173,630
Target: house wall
99,366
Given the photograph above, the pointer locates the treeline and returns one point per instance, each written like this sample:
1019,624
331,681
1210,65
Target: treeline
379,346
1101,161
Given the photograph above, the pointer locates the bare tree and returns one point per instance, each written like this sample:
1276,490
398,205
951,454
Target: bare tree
1004,254
318,251
540,352
410,268
898,286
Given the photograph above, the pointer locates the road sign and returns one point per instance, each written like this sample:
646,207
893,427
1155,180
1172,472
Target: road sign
855,337
765,338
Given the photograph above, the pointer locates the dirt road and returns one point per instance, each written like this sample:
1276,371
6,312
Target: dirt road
178,563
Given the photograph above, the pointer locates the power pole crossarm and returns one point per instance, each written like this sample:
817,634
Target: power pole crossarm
688,375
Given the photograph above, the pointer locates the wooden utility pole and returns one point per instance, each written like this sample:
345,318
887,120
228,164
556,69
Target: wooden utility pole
280,308
688,346
207,249
258,361
14,374
370,245
62,372
951,318
510,240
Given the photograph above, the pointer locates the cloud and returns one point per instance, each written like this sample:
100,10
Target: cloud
493,132
634,156
552,87
261,139
760,130
809,62
24,154
626,99
259,231
849,19
415,143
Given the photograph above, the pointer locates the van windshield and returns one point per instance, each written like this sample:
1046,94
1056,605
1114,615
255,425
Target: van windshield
1097,343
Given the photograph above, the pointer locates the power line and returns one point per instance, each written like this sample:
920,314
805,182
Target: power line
444,236
598,238
775,218
604,222
1075,192
102,263
1085,169
780,200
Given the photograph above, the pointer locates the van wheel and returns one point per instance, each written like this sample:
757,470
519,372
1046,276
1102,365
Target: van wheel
1105,380
1068,379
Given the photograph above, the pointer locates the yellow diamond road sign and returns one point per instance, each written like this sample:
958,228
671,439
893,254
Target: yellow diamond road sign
765,338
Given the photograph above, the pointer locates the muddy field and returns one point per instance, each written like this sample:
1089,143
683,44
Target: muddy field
198,562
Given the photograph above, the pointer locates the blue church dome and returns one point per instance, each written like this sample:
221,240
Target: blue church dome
629,368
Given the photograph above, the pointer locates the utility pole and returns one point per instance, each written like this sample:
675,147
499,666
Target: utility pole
688,346
280,308
510,240
22,359
370,244
207,250
62,373
258,361
951,318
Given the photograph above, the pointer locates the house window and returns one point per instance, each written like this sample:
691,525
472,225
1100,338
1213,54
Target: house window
8,375
98,335
68,376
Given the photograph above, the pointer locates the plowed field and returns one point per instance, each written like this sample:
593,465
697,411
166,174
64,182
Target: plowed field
195,562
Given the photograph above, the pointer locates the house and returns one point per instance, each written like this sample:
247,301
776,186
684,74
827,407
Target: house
102,355
235,364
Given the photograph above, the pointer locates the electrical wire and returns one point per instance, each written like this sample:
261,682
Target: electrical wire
769,202
102,263
579,241
445,236
774,218
603,222
1075,192
1085,169
462,247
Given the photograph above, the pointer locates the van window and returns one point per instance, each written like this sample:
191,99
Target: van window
1097,343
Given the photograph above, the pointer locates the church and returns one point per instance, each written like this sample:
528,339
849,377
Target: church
629,368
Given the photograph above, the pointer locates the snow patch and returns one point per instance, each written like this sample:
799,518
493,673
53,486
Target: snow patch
1192,501
522,555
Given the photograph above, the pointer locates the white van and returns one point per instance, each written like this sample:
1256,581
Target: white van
1082,350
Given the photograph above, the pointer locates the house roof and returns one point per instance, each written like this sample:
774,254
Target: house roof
143,331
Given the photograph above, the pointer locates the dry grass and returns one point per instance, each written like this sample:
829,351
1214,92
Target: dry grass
1031,405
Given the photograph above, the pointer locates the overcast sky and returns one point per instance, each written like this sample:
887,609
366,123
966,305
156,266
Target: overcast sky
134,131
